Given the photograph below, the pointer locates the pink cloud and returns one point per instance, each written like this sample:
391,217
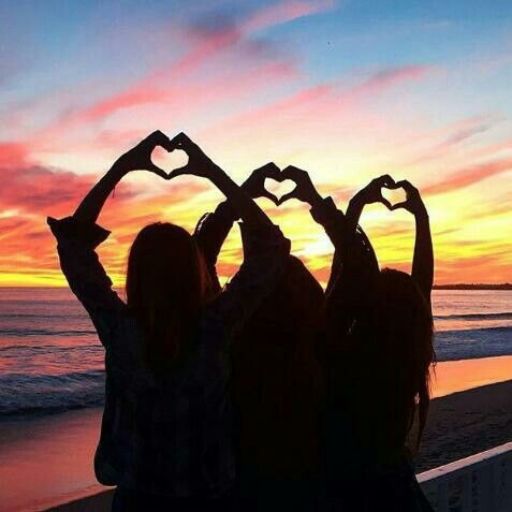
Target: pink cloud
388,78
437,144
284,12
326,101
38,190
206,45
177,103
141,95
469,176
12,153
42,191
35,188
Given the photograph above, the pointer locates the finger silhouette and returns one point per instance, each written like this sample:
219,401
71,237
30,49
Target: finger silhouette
271,170
406,185
158,138
386,203
291,173
269,195
180,141
386,181
398,205
151,167
286,197
180,171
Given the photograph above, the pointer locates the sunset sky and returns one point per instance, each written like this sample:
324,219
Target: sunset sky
347,90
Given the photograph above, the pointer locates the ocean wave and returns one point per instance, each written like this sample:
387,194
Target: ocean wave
41,394
476,316
482,330
45,332
20,348
47,316
473,343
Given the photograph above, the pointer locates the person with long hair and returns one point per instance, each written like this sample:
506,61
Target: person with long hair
166,438
278,383
378,352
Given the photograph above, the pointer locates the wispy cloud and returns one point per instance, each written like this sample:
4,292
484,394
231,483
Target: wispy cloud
207,41
469,176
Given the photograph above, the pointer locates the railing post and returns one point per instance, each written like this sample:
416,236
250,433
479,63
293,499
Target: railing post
467,492
479,483
442,497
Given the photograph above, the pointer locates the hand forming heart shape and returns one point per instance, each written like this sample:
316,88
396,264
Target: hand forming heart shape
279,187
266,181
394,195
413,202
168,160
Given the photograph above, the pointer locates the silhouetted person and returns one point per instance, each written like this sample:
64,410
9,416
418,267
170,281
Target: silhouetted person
277,380
166,437
377,355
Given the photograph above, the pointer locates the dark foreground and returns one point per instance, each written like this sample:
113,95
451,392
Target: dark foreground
465,423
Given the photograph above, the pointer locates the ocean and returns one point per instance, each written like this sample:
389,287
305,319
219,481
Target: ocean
52,361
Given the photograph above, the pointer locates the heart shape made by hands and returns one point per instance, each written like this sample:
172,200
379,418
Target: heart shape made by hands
394,194
279,187
169,160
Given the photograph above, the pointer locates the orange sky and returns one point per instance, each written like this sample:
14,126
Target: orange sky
316,84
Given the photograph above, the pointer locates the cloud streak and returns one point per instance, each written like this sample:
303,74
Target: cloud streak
469,176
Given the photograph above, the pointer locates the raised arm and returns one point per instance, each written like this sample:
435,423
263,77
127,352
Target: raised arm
323,210
210,233
423,260
138,158
79,235
337,226
352,289
213,228
201,165
266,251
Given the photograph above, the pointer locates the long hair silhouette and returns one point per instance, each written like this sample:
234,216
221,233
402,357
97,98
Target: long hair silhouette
278,383
403,321
394,346
167,285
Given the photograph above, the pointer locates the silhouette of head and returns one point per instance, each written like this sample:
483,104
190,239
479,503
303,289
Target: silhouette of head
277,379
403,317
167,284
403,349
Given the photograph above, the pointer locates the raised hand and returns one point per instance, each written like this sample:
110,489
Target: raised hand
413,202
139,157
372,193
198,163
254,185
304,191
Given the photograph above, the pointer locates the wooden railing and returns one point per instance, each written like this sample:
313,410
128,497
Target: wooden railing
480,483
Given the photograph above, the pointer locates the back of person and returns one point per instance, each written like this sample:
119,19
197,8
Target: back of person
278,392
379,398
166,436
172,432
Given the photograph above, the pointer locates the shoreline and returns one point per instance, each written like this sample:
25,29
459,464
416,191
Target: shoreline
464,423
459,425
36,452
449,377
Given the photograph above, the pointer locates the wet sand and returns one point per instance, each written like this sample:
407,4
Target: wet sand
48,461
454,376
465,423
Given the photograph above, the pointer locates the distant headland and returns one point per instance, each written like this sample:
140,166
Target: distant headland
478,286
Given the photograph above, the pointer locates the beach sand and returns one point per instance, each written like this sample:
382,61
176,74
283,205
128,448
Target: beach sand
47,461
454,376
465,423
